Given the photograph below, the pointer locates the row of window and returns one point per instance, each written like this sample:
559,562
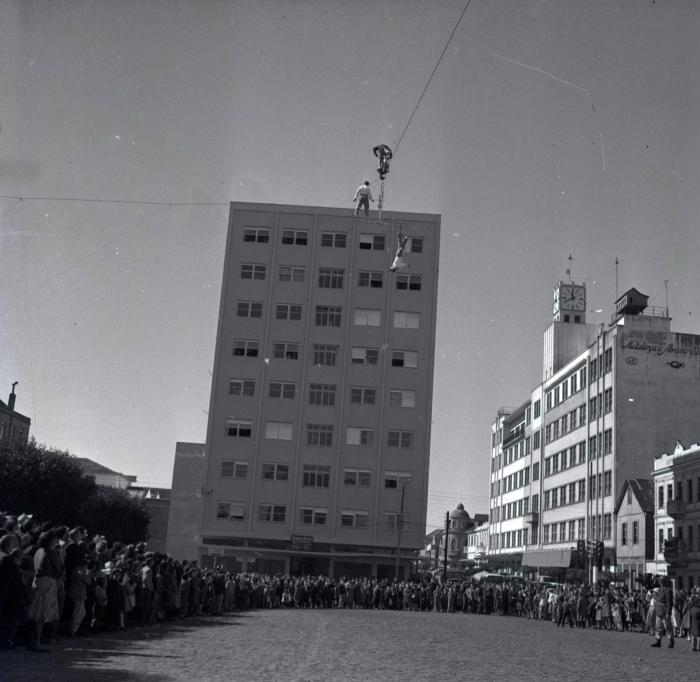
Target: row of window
313,475
624,537
597,367
685,537
681,486
329,315
322,394
324,354
377,242
320,435
599,485
512,538
315,516
511,510
332,278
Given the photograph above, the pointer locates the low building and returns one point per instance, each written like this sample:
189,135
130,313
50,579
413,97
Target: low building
14,427
634,517
105,476
676,480
157,502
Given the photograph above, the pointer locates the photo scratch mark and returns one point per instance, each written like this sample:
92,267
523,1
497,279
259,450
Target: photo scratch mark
544,73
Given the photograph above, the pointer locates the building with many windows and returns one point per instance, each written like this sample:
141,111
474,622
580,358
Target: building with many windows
609,398
14,427
319,423
676,485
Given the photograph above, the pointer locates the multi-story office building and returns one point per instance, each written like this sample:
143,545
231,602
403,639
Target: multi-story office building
610,397
319,423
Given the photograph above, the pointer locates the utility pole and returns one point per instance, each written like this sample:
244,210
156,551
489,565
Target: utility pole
400,525
447,537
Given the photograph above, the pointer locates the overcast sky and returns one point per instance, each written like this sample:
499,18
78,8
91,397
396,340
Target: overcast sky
549,129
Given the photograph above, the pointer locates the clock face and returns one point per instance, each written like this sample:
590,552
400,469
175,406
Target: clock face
572,298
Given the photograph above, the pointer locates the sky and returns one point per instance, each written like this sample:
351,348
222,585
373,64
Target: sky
549,129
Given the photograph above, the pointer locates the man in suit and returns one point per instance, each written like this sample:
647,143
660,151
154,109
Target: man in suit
663,606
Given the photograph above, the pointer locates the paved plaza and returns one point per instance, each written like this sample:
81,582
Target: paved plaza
315,646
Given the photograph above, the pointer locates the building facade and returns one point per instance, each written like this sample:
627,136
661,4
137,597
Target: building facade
609,397
319,423
676,480
14,427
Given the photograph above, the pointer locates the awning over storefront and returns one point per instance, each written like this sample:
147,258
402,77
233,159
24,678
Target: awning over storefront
548,558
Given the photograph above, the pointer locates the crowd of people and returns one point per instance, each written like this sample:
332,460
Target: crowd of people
60,582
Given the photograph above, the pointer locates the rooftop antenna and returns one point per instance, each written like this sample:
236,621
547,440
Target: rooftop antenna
617,263
569,269
666,286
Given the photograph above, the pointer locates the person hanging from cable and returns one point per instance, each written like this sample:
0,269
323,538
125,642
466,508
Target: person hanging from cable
364,193
383,153
399,261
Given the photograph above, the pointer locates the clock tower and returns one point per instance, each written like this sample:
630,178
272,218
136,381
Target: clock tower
569,303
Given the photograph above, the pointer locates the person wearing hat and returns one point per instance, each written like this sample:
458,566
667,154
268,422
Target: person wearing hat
663,605
694,618
365,196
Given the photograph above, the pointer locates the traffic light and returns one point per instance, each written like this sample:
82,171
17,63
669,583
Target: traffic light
581,554
599,551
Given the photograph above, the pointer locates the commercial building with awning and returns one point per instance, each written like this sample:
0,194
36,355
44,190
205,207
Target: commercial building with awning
548,558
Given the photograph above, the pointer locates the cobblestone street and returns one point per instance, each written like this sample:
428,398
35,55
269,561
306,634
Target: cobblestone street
353,645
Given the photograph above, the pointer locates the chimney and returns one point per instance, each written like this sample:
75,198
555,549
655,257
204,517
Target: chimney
11,399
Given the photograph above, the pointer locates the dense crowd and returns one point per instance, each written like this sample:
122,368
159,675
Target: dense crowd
59,582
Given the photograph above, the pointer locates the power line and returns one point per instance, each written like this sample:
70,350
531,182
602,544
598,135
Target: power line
437,64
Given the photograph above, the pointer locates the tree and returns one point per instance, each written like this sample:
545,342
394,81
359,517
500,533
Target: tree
46,482
116,514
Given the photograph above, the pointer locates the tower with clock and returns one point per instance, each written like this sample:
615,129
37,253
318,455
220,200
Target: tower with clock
569,304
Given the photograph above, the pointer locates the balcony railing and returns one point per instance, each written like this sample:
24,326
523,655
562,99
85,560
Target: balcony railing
676,508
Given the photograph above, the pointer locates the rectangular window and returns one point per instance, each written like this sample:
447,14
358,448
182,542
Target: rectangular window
321,394
582,452
233,469
373,280
278,430
400,439
367,318
572,420
328,316
607,360
364,356
408,282
331,278
325,354
404,358
536,440
249,309
230,510
397,479
607,442
607,400
635,532
607,483
357,477
316,476
337,240
292,273
607,526
282,389
582,490
592,490
661,496
572,493
239,428
242,387
287,311
253,271
536,471
245,348
273,513
296,237
363,396
373,242
592,447
261,235
415,245
582,415
402,398
311,516
592,371
275,472
406,320
394,520
285,351
553,531
690,490
537,409
359,436
354,519
319,434
574,383
623,534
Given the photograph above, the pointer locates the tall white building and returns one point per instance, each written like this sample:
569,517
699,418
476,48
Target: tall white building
318,439
610,397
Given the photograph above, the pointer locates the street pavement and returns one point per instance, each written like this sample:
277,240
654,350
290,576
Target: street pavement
352,645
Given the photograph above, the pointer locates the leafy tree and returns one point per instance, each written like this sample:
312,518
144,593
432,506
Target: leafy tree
46,482
116,514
